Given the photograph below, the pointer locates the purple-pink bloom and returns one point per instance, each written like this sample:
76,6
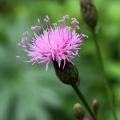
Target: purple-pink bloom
58,42
87,118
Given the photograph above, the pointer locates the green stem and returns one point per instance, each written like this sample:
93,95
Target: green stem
106,83
77,90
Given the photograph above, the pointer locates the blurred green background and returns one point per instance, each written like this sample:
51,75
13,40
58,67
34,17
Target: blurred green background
29,92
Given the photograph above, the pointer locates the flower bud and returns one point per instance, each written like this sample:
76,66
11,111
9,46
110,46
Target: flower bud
78,111
95,105
89,13
66,72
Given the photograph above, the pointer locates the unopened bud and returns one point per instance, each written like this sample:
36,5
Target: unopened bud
78,111
67,72
89,13
95,105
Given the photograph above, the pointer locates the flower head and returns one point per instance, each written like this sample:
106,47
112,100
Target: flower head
58,42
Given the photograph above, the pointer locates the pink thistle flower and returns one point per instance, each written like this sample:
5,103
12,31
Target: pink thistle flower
58,42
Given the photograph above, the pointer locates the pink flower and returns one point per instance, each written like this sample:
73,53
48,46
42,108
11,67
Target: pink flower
58,42
87,118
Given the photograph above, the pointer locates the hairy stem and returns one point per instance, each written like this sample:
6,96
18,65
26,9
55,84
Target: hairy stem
80,95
